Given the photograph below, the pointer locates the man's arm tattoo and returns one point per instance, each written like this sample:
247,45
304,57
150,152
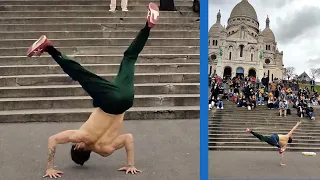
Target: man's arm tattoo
51,152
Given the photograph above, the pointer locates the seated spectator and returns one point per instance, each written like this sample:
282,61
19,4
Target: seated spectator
277,102
310,113
220,104
314,100
270,101
283,106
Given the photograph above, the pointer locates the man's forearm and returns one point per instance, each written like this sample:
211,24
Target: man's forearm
51,153
130,153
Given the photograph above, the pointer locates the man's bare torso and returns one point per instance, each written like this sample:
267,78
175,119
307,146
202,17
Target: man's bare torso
102,129
283,140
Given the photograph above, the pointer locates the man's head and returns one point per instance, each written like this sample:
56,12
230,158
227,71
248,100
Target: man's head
79,156
290,140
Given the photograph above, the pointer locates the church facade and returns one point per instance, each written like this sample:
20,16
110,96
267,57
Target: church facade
242,48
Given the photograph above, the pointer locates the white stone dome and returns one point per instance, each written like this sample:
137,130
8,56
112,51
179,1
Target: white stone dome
244,9
268,35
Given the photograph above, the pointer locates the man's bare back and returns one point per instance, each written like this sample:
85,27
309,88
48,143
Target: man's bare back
102,129
100,134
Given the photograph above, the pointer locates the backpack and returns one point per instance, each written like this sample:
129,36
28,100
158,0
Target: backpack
167,5
196,5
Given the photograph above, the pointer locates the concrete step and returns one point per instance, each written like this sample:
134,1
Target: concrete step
8,43
76,90
101,68
265,128
243,126
91,7
45,59
62,20
81,2
96,27
81,115
235,136
98,34
296,140
258,119
72,102
261,144
63,79
261,148
95,13
266,132
93,50
260,125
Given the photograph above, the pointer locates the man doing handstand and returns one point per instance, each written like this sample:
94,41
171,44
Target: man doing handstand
100,133
281,141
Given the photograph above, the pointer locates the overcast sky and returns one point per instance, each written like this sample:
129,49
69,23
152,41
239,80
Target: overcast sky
295,23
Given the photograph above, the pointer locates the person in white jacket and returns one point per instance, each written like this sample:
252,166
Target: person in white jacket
113,5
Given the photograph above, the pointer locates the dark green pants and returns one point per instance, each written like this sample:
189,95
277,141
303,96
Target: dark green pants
272,140
112,97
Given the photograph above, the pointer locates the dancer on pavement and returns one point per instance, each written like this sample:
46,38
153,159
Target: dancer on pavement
100,133
281,141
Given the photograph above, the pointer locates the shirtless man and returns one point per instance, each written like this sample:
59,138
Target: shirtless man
100,133
281,141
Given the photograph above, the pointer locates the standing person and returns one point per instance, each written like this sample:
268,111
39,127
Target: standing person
278,140
312,83
101,132
124,5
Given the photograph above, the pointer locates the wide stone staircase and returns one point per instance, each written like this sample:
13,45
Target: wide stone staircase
36,89
227,129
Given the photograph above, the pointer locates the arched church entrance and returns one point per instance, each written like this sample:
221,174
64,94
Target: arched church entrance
240,72
227,72
252,73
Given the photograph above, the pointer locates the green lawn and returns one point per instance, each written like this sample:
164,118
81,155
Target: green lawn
316,87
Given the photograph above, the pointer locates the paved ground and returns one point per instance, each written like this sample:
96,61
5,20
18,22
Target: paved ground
164,150
235,164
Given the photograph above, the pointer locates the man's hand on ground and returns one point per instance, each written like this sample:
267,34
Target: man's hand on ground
129,169
52,173
281,164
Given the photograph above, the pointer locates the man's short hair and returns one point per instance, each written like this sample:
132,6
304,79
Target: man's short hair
290,140
79,156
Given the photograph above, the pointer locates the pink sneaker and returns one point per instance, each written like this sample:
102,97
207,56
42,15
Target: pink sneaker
249,130
38,47
153,14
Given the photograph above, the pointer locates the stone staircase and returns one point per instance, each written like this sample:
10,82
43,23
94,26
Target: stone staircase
227,129
36,89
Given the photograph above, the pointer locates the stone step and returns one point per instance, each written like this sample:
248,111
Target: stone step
262,144
263,124
102,20
45,59
96,27
11,43
301,128
98,34
266,132
101,68
254,139
270,119
76,90
95,13
91,7
261,148
247,135
63,79
93,50
86,102
253,125
81,115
